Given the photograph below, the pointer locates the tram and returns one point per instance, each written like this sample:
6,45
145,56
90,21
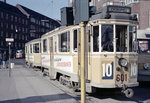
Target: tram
33,53
143,37
111,55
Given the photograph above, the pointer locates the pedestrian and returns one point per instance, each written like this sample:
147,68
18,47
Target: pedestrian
4,58
1,57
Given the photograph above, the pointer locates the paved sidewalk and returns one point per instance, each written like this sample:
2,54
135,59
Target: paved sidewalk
25,86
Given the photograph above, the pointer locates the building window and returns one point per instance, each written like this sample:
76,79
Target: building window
11,26
6,34
2,15
2,33
11,35
15,36
121,3
12,17
32,20
2,24
15,19
107,3
6,16
7,25
131,1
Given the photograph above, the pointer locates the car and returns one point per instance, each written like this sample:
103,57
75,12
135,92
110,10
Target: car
19,54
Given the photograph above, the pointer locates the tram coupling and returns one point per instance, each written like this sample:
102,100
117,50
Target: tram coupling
127,91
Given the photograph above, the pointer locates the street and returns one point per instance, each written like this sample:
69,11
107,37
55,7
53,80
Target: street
28,85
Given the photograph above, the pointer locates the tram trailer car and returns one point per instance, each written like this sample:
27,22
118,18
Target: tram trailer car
33,53
143,37
111,55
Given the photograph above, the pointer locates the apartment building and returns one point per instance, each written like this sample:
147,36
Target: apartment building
22,24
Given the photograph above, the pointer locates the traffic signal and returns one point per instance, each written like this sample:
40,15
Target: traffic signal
81,11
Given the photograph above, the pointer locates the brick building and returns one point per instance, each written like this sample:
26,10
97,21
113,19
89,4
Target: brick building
22,24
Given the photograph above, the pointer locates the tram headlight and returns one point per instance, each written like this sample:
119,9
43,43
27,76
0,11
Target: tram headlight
146,66
123,62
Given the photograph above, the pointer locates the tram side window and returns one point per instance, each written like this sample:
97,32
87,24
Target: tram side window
64,42
30,48
121,38
55,44
143,46
75,41
45,45
26,49
107,38
36,48
95,38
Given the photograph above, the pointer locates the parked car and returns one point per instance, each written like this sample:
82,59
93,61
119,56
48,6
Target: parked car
19,54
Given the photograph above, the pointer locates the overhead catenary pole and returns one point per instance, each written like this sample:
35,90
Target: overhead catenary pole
82,64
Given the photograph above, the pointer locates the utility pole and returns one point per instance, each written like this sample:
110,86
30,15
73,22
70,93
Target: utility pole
82,63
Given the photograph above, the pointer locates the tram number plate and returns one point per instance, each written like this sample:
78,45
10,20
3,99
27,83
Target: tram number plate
121,77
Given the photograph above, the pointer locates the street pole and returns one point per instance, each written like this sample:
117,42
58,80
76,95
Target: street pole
9,60
82,64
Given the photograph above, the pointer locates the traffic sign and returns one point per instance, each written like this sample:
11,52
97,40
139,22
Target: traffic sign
9,39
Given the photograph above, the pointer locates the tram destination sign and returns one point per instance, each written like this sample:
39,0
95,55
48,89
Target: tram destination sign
119,9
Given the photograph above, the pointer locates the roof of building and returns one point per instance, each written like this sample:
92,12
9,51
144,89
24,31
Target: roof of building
34,13
10,8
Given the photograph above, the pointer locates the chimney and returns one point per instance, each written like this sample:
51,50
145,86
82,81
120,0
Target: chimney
3,1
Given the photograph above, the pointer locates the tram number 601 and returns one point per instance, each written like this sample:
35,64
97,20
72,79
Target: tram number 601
121,77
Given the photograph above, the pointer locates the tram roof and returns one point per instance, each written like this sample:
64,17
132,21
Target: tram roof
57,29
34,40
143,34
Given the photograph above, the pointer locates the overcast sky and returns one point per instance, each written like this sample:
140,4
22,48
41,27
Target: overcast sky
50,8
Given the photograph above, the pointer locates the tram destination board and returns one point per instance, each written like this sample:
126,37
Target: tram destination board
118,9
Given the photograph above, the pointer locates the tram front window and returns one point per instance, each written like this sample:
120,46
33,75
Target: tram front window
107,38
121,38
144,46
96,39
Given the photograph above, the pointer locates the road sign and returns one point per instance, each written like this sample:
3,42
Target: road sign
9,39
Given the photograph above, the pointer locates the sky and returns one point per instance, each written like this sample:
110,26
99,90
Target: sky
50,8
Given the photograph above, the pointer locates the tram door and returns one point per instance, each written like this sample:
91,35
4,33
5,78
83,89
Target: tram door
51,70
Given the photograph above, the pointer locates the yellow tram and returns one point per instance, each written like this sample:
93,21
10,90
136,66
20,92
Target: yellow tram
143,37
111,55
33,53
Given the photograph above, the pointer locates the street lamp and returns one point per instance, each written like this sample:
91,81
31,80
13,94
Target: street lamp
9,40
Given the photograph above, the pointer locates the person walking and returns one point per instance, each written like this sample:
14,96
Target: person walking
1,57
4,58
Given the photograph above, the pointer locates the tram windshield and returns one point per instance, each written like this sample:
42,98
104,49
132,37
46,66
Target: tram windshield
144,46
107,38
122,39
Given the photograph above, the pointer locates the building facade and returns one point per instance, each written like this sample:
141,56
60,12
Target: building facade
22,24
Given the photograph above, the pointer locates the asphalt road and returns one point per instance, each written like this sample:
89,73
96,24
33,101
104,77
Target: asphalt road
29,86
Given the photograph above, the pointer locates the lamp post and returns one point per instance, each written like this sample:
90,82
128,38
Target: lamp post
9,40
